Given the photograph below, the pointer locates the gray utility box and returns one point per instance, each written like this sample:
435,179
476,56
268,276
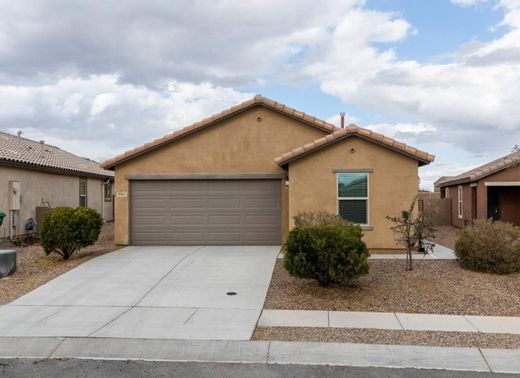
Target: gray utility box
7,262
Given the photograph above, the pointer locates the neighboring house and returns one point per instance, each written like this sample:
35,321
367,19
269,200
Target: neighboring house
489,191
35,175
239,177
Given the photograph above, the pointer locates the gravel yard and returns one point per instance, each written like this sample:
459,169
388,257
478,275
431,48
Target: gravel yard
34,268
434,286
377,336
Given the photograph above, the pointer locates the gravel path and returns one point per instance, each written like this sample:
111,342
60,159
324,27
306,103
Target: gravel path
378,336
34,268
434,286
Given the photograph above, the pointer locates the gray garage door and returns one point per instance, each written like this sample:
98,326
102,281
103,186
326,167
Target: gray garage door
205,212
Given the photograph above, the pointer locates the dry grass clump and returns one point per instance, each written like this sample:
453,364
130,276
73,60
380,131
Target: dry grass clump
488,246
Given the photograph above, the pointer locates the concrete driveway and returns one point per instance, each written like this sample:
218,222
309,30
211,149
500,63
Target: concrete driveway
153,293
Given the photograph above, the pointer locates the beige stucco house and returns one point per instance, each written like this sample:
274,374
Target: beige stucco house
35,176
240,176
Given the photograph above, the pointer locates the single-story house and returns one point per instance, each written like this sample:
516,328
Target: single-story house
239,177
489,191
35,176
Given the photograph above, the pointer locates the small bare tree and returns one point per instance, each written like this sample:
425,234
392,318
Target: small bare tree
410,228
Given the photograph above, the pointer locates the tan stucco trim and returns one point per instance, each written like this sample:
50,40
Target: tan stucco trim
208,176
352,170
504,183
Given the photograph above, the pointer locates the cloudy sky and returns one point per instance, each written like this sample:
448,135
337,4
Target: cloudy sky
99,77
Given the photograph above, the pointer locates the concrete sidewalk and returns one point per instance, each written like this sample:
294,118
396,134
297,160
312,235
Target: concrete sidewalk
390,320
265,352
439,253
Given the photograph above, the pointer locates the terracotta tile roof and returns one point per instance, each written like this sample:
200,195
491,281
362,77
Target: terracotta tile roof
256,101
353,130
31,153
483,171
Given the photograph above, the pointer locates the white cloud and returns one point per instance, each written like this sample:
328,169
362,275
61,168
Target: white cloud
99,117
467,3
465,101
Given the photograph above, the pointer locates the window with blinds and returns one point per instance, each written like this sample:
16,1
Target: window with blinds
353,197
82,192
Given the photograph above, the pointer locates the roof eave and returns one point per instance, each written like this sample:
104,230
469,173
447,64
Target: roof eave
112,163
422,162
44,168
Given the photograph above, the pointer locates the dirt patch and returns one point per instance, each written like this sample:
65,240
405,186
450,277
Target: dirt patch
434,286
34,268
446,236
378,336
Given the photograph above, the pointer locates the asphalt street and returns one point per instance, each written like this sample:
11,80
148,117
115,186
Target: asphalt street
129,369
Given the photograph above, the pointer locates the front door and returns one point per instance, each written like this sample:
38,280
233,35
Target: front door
493,203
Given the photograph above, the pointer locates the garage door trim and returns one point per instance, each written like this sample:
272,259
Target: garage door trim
207,176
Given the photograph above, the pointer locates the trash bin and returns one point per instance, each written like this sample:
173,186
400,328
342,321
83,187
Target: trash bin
2,216
7,262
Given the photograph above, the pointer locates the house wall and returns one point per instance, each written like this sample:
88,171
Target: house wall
239,144
57,189
509,205
392,185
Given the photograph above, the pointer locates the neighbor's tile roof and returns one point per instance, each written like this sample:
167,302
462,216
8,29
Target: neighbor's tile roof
29,152
353,130
257,100
484,170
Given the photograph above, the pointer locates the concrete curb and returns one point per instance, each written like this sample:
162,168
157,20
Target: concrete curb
264,352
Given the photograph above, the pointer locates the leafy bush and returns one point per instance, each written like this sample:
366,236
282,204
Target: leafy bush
318,218
489,246
330,254
65,230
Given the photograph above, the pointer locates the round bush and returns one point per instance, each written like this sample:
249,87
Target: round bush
330,254
65,230
489,246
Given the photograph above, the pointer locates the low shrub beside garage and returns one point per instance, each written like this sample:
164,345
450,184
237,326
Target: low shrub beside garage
331,252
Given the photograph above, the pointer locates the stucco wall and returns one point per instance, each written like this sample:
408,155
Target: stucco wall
59,190
239,144
392,184
507,175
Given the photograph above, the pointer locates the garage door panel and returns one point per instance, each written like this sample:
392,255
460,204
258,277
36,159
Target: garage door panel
218,220
205,212
224,203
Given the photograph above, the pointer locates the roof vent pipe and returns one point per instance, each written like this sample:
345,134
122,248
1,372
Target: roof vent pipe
19,133
42,148
342,115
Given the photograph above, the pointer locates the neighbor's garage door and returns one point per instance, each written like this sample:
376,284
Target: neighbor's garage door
205,212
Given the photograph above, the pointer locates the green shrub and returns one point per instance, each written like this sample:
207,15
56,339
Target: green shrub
489,246
330,254
65,230
318,218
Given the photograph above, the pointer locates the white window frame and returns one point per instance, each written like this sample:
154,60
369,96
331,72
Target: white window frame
447,192
355,198
86,191
460,202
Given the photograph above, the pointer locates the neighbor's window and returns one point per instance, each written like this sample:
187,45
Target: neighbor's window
107,190
459,201
82,192
447,192
353,197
